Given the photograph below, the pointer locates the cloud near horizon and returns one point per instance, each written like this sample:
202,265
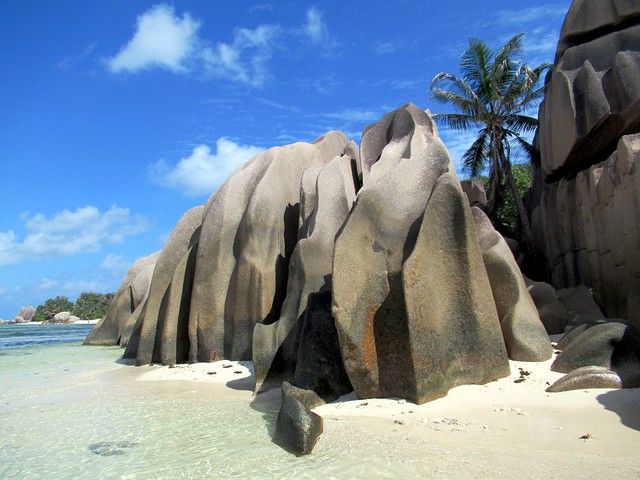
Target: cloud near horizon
203,171
68,233
162,39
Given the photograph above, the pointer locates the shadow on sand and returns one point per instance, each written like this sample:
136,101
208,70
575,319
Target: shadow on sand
625,403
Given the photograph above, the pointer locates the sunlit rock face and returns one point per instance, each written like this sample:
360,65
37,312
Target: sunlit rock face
116,326
593,91
336,268
586,217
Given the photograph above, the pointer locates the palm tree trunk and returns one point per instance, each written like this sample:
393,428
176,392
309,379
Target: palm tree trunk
525,225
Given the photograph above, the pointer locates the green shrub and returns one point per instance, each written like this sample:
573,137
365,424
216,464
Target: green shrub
92,305
51,307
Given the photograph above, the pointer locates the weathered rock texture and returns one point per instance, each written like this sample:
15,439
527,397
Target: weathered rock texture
132,293
335,269
524,333
25,315
599,355
587,214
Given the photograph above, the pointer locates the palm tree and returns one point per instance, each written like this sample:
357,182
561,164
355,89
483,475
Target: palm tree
494,95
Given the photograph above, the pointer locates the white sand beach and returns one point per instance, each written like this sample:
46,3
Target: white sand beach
510,428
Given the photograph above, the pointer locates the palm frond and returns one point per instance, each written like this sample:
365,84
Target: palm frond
455,121
474,160
475,68
519,124
446,81
463,104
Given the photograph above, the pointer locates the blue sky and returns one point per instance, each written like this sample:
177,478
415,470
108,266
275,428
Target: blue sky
117,116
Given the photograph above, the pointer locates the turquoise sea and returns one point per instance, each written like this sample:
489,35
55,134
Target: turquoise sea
20,336
69,411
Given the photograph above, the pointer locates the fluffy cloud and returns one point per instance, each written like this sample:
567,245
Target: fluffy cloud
67,233
162,39
165,40
115,263
245,59
203,171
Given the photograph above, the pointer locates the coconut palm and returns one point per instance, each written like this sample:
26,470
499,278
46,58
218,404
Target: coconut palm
493,95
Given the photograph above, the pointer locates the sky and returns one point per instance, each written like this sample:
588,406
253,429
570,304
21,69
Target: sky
116,116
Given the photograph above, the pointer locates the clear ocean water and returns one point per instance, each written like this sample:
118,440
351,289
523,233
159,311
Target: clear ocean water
20,336
69,411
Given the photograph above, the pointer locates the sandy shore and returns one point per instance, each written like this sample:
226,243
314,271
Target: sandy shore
512,423
77,322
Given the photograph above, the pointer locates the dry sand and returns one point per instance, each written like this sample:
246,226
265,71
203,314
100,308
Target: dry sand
510,428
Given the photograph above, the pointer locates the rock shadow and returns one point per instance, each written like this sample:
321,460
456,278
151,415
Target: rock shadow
623,403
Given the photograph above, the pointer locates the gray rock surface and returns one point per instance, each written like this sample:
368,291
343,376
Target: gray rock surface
553,313
475,192
250,229
587,377
142,345
581,307
378,253
25,314
297,427
330,197
524,334
111,329
611,345
585,206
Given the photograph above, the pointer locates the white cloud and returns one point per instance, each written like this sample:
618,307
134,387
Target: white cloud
316,28
203,171
531,14
162,39
115,263
69,233
245,59
355,115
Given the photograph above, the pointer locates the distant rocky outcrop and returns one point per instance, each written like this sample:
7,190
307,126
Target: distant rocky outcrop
25,315
336,268
64,317
586,199
116,326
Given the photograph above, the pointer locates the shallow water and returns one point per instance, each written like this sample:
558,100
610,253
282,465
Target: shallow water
64,414
69,411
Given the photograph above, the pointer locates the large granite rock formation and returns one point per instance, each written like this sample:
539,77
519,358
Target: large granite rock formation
586,204
25,315
335,269
116,326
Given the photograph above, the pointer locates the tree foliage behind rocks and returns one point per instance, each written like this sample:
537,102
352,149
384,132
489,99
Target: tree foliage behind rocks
507,221
88,306
92,305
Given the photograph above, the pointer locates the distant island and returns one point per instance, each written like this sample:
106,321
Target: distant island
88,308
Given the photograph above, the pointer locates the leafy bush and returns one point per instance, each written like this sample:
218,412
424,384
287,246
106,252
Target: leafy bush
51,307
88,306
507,213
92,305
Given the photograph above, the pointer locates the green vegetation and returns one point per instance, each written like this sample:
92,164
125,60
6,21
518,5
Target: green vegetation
507,213
494,95
92,305
88,306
